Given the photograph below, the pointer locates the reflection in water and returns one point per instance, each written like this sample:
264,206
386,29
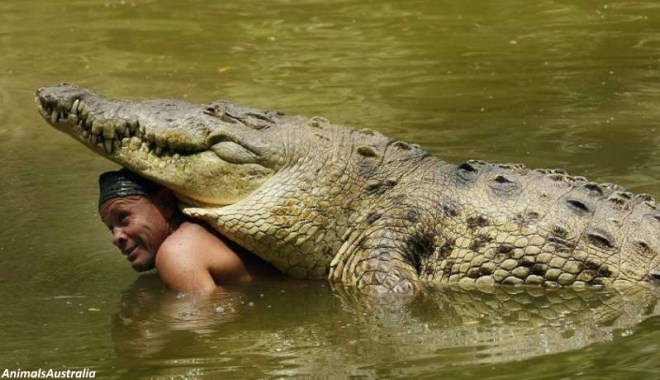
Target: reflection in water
307,328
149,314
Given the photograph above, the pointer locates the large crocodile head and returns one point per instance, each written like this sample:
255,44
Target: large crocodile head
208,154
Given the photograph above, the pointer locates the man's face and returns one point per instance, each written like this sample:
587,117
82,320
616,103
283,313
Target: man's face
138,228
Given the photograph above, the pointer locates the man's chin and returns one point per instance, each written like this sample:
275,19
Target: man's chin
141,267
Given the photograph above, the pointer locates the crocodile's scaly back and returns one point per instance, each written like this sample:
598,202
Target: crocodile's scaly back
317,199
482,223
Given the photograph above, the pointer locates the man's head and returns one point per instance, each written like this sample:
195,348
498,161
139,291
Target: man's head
138,213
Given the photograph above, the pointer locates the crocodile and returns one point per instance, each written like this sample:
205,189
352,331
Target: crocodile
320,200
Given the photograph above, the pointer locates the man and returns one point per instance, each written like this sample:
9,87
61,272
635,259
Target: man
149,229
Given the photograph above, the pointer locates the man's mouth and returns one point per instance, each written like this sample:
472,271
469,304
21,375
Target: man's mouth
131,254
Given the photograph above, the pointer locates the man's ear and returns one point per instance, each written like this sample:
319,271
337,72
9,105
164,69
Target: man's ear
167,201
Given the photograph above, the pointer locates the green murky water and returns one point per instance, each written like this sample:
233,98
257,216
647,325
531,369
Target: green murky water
573,84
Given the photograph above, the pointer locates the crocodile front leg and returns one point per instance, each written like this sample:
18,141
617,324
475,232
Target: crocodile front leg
376,259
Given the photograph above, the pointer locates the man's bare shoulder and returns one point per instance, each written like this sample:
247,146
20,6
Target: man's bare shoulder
185,244
194,242
191,235
194,245
181,260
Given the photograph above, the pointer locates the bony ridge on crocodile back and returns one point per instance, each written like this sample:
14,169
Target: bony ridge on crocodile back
319,200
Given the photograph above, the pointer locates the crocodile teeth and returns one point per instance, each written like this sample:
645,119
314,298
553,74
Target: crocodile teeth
133,126
96,128
127,132
53,116
74,107
107,144
159,150
109,133
135,143
81,107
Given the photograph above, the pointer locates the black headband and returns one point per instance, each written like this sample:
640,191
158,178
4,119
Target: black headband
122,183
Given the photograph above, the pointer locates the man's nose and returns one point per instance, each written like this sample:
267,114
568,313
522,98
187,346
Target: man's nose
118,237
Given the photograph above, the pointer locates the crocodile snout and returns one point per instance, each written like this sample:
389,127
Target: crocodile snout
64,93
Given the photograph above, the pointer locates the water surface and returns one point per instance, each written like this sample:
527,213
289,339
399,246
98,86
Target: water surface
572,84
